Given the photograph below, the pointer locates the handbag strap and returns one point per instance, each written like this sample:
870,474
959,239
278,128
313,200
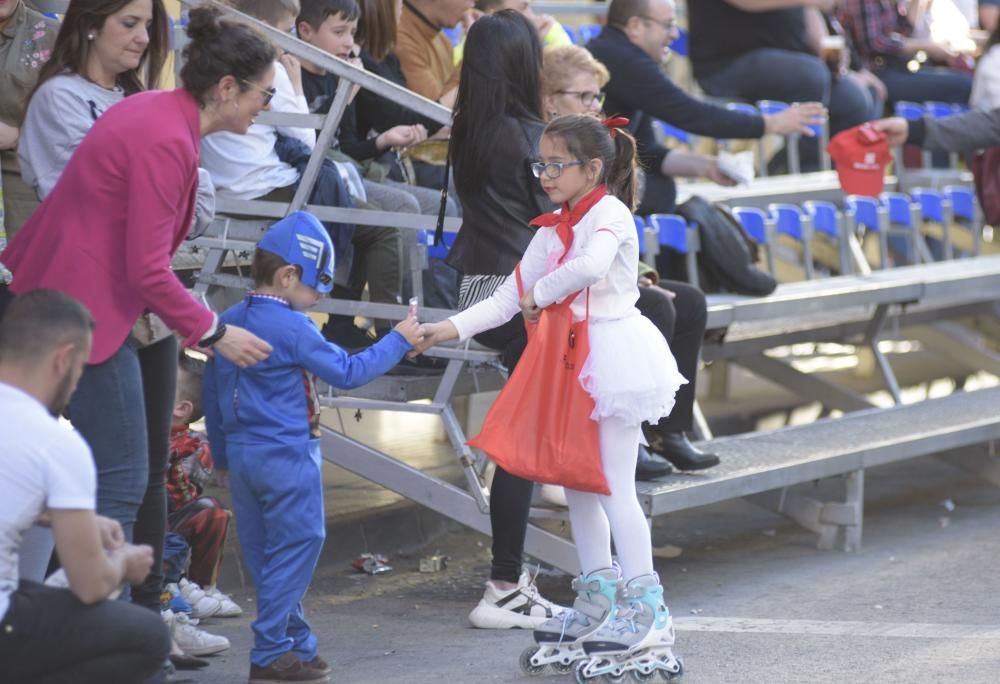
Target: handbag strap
443,208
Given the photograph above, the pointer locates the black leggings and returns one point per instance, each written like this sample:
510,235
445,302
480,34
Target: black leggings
682,324
159,382
48,636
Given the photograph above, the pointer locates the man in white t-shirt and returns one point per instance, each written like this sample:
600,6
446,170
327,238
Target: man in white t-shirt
47,477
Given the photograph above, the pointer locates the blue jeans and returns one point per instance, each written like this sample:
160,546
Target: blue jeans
787,76
122,407
937,84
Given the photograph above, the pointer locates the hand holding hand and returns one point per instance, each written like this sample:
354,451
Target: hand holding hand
434,334
411,330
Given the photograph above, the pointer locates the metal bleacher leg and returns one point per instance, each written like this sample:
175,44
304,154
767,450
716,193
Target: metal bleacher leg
948,217
792,147
701,429
854,499
807,255
872,335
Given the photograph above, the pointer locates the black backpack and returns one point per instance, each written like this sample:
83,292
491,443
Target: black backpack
727,256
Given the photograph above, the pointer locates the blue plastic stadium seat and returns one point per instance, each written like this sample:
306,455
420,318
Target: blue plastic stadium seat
572,33
939,110
865,211
963,201
931,202
899,207
640,229
679,45
426,237
669,131
672,231
909,110
787,219
824,217
754,221
588,32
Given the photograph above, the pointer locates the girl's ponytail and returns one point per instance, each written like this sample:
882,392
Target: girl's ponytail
621,176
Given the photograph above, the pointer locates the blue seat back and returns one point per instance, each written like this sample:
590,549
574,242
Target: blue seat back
572,33
865,210
939,110
931,203
909,110
824,217
669,131
640,229
899,207
453,34
588,32
963,201
787,219
672,231
679,45
754,221
426,237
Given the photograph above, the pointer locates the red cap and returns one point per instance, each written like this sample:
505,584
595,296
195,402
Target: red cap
860,155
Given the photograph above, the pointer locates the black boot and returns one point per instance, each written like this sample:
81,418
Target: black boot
649,467
683,455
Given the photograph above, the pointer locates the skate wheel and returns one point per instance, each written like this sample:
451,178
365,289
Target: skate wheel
526,665
643,677
578,674
613,678
563,668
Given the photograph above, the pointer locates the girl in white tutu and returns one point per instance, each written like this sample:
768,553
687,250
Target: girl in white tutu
619,620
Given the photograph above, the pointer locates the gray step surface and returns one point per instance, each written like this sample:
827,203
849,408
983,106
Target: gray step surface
763,461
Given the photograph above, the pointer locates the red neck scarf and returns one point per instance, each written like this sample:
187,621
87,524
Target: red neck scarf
567,218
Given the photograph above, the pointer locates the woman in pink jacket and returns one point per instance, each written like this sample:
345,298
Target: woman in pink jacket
106,235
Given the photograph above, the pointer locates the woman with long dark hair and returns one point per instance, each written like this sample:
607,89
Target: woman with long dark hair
498,122
137,167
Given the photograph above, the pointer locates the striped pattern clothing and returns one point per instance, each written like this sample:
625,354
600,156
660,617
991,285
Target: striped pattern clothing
474,289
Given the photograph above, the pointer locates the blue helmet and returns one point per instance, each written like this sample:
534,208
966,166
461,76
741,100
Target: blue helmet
301,239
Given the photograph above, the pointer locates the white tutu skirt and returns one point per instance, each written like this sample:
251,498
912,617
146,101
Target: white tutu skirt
630,372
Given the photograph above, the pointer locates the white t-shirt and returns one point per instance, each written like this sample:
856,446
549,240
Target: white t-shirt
986,82
604,256
45,465
246,167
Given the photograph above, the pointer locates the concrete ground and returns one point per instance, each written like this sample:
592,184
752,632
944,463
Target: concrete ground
753,600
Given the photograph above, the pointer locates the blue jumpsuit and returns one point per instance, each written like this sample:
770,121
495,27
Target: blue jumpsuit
263,424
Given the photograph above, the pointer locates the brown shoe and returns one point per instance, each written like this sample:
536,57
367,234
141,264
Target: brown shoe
317,665
287,668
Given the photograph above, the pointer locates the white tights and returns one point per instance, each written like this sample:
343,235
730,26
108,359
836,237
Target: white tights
596,517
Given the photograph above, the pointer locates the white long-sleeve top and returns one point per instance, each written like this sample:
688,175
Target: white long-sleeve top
604,256
246,166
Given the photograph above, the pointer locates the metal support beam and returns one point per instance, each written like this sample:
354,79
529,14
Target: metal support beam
440,496
872,335
805,385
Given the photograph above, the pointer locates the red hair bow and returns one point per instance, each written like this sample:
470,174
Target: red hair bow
614,122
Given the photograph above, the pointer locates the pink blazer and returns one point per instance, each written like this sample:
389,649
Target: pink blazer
108,230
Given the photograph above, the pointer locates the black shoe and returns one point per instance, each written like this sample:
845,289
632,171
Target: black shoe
184,661
649,467
421,366
350,338
683,455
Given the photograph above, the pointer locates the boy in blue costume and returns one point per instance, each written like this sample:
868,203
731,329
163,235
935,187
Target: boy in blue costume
263,425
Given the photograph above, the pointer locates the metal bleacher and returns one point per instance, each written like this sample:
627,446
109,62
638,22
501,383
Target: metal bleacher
858,306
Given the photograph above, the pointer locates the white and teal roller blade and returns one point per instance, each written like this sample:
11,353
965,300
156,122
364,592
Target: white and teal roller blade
637,645
559,641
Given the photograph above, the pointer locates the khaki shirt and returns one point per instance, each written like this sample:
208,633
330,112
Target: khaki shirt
25,45
425,54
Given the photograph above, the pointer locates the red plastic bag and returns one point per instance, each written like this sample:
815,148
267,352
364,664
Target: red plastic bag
539,428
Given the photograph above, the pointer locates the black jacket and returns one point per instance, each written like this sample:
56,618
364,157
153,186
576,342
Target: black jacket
495,231
638,85
375,113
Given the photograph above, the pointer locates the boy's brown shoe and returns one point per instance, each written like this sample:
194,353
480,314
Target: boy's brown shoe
317,665
287,668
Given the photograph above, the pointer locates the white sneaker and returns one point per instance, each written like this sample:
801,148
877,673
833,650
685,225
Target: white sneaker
59,580
192,640
228,607
202,605
522,607
554,495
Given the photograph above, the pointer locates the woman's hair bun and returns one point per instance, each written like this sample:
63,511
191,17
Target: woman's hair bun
203,24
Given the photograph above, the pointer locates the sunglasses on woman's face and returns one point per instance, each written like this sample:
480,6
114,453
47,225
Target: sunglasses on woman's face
268,92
